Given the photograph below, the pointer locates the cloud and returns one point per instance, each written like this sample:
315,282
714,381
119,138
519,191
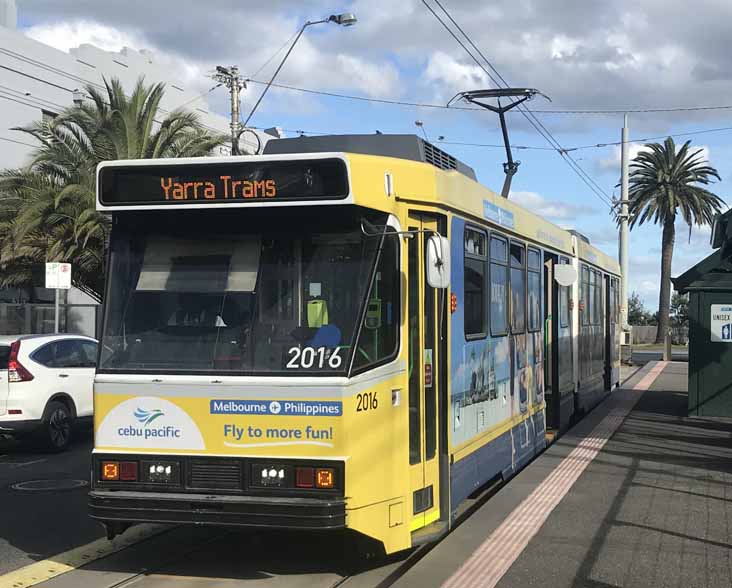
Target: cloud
449,76
611,163
69,35
551,209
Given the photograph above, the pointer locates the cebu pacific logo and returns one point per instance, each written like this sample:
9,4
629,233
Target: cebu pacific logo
147,422
147,416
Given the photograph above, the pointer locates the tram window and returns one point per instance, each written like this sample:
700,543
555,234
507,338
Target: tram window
474,283
499,249
564,296
534,301
475,242
415,446
378,339
598,298
585,295
534,260
499,286
243,294
611,302
534,290
592,295
518,288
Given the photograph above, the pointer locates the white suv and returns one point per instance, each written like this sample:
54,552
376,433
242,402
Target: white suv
46,386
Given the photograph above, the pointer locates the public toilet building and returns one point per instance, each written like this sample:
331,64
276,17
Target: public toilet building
709,285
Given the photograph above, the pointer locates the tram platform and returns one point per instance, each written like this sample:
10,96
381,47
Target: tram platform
637,494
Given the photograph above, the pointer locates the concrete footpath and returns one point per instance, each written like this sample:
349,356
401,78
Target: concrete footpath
636,495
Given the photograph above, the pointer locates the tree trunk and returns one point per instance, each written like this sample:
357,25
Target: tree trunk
664,297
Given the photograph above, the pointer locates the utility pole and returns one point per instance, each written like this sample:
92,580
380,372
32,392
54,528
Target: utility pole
624,236
229,76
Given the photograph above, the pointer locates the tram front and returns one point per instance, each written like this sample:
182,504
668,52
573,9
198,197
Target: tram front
250,364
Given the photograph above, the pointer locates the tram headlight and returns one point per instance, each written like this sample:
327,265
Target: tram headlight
160,472
271,476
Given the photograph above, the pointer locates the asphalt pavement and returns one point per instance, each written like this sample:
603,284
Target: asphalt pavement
43,501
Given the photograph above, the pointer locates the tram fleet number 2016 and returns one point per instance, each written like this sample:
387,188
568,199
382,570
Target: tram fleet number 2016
366,401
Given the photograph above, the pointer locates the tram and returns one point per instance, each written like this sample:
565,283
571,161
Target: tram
345,332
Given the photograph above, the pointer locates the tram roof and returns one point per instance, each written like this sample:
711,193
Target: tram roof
444,181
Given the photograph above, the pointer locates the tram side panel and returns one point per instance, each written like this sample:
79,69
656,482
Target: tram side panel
491,431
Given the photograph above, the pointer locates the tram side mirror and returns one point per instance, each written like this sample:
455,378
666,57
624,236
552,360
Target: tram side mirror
565,275
438,261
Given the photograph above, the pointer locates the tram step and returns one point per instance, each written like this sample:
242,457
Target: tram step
430,533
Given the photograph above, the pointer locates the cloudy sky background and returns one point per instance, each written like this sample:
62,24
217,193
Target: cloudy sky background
584,54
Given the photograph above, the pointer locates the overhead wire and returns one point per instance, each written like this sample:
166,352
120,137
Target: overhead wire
596,189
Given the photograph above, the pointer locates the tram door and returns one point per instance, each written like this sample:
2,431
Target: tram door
424,378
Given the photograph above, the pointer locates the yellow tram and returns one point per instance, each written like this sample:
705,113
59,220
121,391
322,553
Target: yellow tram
346,332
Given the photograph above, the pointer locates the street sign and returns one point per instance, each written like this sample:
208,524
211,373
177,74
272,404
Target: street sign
720,324
58,275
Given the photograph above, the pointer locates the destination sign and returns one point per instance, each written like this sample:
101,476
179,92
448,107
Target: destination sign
223,183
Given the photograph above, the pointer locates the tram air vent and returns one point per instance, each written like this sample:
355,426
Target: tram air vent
438,157
215,474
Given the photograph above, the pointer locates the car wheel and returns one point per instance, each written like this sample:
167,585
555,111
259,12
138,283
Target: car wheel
57,427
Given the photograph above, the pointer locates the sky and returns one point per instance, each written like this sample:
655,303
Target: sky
583,54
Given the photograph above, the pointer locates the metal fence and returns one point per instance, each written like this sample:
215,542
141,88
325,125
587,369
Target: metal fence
33,318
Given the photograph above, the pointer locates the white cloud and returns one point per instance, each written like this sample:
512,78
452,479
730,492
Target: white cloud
371,78
451,76
612,162
551,209
69,35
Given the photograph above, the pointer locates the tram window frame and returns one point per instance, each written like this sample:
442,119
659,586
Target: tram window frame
517,267
585,294
534,271
564,296
498,264
476,262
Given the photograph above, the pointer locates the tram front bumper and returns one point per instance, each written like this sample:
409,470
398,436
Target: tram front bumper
204,509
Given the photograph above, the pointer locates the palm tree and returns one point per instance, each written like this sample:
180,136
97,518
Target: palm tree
47,210
665,183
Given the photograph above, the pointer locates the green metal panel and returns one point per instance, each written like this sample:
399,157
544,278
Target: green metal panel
710,363
694,341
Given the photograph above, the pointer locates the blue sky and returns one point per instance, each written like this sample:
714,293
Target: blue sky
629,54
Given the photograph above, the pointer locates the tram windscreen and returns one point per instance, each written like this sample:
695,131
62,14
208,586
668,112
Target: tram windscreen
247,292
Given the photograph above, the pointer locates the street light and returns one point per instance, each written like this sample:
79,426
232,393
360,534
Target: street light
346,19
523,94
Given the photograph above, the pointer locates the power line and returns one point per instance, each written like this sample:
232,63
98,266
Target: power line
530,117
9,140
275,54
67,75
432,105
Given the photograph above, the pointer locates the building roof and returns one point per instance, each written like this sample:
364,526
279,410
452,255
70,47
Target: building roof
714,272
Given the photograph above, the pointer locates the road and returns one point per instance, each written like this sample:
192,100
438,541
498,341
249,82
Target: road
37,524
